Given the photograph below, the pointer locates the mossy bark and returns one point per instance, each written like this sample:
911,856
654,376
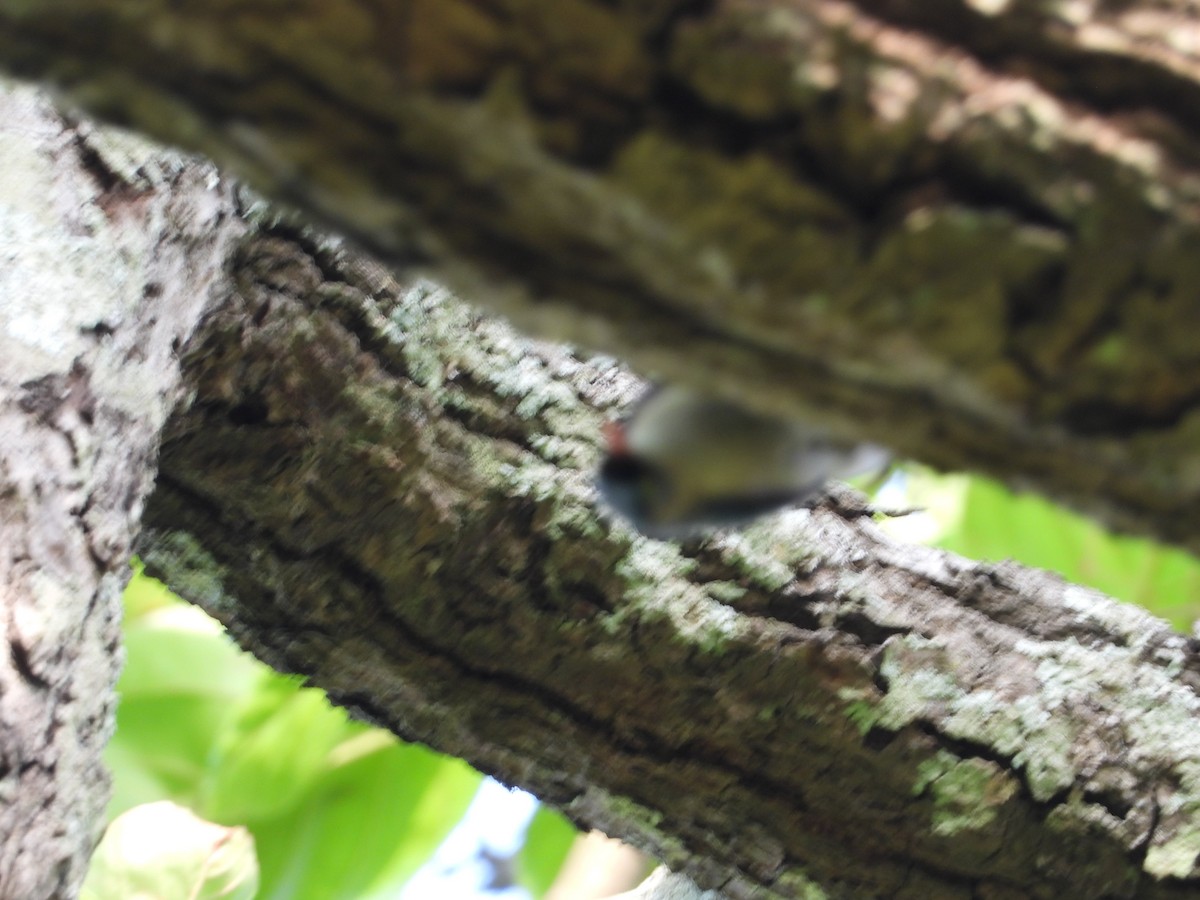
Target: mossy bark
963,229
380,489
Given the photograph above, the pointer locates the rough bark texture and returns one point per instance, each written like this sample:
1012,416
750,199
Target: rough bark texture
964,229
384,491
103,273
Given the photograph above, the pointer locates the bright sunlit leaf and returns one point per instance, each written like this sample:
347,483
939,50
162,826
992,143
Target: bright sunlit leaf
161,850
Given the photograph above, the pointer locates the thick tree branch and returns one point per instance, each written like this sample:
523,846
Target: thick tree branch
388,493
964,229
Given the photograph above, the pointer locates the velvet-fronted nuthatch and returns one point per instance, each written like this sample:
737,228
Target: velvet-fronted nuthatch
682,462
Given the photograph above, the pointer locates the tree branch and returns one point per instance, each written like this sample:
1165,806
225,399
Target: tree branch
966,230
388,493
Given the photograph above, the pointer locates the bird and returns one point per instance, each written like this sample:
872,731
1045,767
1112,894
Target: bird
683,462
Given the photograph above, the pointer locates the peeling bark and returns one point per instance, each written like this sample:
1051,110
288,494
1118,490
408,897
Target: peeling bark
964,229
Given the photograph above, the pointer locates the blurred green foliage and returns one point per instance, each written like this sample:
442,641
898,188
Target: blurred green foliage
337,809
546,844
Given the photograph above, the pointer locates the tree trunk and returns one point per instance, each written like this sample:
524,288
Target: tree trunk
103,274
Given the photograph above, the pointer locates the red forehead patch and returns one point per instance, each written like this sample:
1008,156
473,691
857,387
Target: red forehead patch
614,435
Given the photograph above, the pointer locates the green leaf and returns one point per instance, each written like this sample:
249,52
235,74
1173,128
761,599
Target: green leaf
163,741
547,842
377,816
161,850
144,594
179,651
337,809
271,750
181,674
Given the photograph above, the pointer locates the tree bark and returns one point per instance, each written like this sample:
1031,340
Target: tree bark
963,229
381,489
377,488
103,273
